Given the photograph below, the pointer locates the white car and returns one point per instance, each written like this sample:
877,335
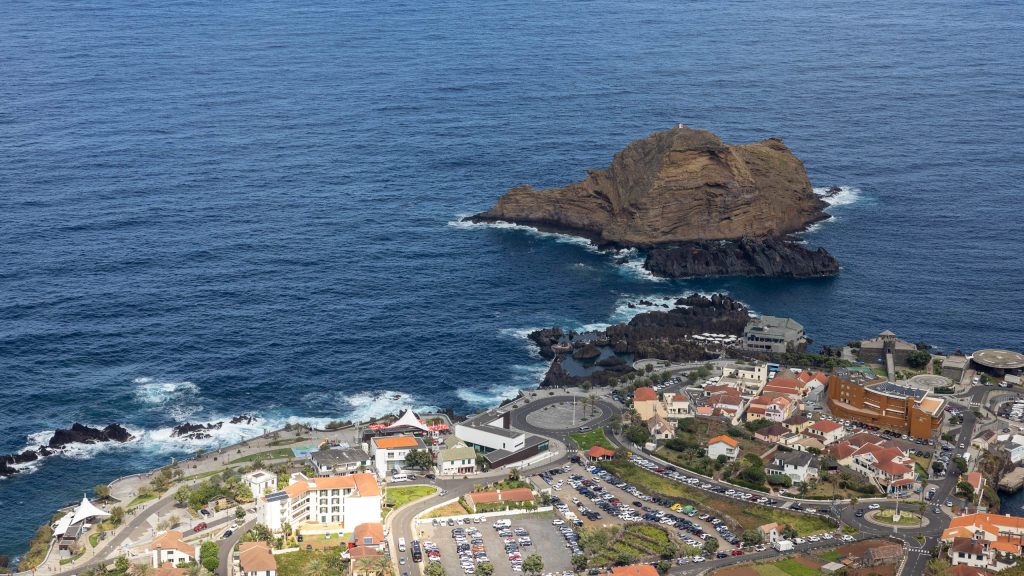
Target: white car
698,559
799,541
557,522
814,539
874,507
847,538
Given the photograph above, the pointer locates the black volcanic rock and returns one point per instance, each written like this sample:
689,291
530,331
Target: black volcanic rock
545,339
194,431
586,352
744,257
244,418
82,434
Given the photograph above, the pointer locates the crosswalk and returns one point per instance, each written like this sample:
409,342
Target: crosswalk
919,550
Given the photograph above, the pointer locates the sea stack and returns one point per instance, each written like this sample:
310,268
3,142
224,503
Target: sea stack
677,187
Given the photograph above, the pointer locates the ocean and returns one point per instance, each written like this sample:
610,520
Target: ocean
209,209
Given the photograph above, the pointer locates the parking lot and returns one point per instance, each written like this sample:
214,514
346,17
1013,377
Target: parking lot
527,534
600,494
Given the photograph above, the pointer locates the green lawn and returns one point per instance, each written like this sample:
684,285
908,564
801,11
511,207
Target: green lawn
142,499
94,539
274,454
287,441
303,562
747,515
906,518
586,440
398,497
830,556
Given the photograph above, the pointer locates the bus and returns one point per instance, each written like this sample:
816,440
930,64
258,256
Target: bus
417,553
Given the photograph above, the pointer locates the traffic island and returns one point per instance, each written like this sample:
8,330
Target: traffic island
905,519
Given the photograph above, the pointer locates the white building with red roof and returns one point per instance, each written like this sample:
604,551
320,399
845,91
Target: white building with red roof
322,505
826,431
723,446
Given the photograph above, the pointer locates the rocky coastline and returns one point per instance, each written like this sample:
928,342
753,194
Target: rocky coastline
62,439
676,193
658,334
745,257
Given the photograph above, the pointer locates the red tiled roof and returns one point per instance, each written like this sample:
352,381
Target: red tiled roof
825,426
511,495
635,570
372,530
256,557
723,438
644,394
600,452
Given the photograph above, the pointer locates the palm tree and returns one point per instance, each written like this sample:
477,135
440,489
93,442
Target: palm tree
382,566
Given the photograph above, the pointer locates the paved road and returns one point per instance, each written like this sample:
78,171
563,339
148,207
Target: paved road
518,418
227,545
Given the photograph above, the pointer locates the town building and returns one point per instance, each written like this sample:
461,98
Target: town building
860,396
785,386
322,505
749,379
634,570
677,405
874,350
457,459
74,524
988,541
260,482
954,366
770,532
646,404
599,453
826,431
492,436
340,461
171,548
998,363
723,446
773,334
370,535
885,464
798,466
660,428
255,559
772,433
797,423
389,452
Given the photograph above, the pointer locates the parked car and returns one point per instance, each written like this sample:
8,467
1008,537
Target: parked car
199,527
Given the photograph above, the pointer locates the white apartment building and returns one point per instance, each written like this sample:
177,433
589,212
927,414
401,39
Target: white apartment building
322,505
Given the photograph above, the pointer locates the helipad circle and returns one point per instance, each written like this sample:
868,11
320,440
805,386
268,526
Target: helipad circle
999,359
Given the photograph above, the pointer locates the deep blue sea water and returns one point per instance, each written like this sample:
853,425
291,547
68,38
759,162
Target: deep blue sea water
209,208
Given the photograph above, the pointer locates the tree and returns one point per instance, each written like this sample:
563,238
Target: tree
938,467
853,502
936,567
434,569
960,464
579,562
117,515
711,545
965,490
918,359
259,533
533,564
663,566
485,569
788,532
208,553
122,565
638,434
419,459
102,491
182,495
751,537
239,512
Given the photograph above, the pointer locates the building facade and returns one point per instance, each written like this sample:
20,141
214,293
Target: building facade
322,505
773,334
861,397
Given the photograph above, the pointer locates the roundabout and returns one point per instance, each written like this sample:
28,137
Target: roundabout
907,518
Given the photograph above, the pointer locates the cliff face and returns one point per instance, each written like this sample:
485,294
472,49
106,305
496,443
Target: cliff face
675,186
746,257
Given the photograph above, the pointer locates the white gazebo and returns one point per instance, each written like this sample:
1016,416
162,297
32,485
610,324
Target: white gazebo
410,419
74,523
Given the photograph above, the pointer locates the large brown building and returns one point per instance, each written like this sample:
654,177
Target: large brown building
863,397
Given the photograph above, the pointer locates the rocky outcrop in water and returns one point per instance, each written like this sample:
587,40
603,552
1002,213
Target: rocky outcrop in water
746,257
545,339
82,434
191,431
61,439
658,334
675,186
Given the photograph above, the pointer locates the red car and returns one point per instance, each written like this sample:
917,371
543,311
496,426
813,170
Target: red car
199,527
737,552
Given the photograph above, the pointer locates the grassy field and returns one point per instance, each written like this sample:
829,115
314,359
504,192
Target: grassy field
825,490
706,428
287,441
830,556
453,509
746,515
637,542
301,563
398,497
787,567
906,518
142,499
267,455
586,440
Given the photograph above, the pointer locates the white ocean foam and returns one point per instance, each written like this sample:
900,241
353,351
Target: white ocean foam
634,265
502,225
363,406
178,398
847,195
524,377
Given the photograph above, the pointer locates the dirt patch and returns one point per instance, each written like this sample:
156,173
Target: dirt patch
809,562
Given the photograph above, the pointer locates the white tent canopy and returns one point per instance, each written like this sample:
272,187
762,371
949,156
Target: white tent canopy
408,418
87,510
63,524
